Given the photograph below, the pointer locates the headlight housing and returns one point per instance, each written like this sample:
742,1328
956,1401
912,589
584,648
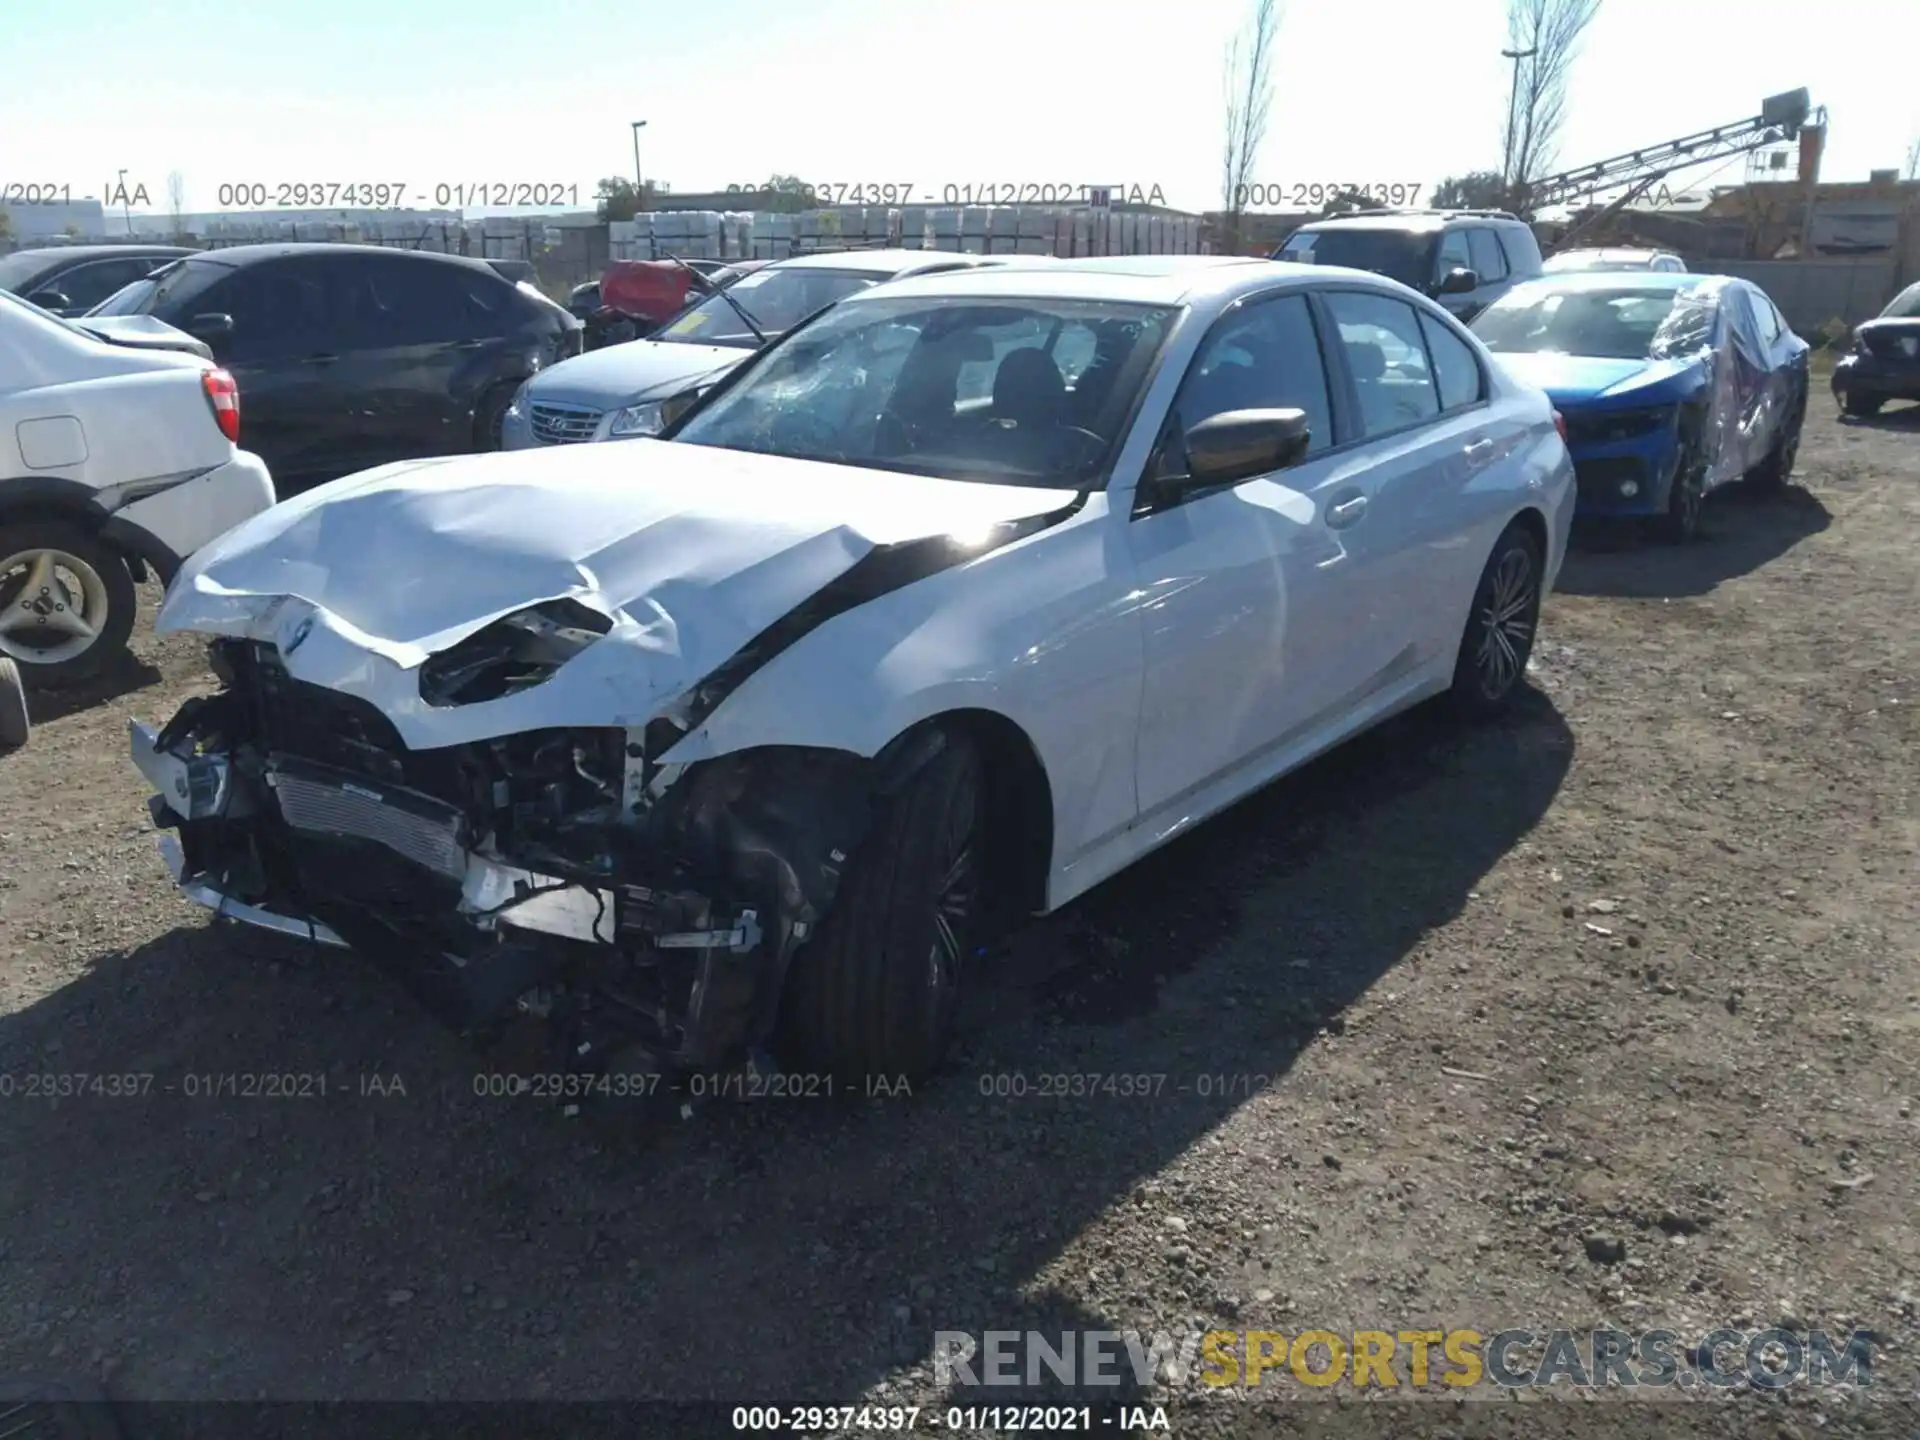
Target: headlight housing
647,418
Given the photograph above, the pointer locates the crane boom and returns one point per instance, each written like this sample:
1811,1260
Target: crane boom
1781,118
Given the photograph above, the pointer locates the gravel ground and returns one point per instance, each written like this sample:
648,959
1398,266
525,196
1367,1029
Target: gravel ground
1634,975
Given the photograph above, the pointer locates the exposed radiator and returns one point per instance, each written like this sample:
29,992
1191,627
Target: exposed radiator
414,827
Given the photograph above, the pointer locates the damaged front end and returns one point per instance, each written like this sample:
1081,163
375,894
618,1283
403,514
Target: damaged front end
564,872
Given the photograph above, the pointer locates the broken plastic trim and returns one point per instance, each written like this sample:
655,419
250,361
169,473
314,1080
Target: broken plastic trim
512,654
884,569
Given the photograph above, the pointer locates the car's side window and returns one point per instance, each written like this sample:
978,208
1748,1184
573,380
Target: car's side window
1265,356
1517,245
1767,318
1489,261
1456,372
1454,254
408,302
1387,357
278,308
85,286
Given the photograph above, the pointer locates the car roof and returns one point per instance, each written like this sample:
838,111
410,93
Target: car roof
51,253
875,262
236,256
1412,220
1125,279
1612,252
1578,280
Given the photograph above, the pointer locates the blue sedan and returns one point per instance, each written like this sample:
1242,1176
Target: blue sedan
1669,385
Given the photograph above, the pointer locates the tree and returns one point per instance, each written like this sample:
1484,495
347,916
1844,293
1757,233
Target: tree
177,203
1476,190
6,227
617,200
1249,95
1346,201
1546,34
1913,160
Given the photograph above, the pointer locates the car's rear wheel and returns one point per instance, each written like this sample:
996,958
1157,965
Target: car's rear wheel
1492,665
1851,404
876,993
66,601
15,725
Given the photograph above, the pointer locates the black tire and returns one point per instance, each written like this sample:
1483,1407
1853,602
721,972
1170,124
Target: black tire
15,726
1851,404
1686,497
876,993
1773,472
115,599
490,416
1505,616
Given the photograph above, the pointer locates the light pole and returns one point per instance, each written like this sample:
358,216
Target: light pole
1513,98
126,201
639,187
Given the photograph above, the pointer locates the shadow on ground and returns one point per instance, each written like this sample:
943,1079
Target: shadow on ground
122,675
1899,418
1741,531
364,1243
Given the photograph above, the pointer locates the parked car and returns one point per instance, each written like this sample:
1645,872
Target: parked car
938,611
69,280
115,461
1884,361
636,297
1465,259
355,355
1671,385
1663,262
627,391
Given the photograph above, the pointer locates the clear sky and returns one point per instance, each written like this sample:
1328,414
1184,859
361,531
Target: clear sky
927,92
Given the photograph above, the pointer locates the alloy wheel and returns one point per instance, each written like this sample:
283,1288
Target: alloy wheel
53,606
1507,620
953,910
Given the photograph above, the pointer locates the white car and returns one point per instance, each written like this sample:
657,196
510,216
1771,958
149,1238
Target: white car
117,457
1662,262
910,628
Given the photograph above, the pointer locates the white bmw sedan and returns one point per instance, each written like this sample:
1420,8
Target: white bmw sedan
950,604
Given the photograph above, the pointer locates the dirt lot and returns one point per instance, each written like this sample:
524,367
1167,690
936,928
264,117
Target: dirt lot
1666,920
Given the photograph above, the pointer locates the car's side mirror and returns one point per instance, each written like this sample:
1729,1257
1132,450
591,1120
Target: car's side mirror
1459,281
210,326
52,301
1240,444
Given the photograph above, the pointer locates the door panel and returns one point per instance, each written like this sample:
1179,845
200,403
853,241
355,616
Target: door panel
1231,577
282,326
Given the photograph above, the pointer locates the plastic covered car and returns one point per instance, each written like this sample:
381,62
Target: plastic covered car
948,605
1671,385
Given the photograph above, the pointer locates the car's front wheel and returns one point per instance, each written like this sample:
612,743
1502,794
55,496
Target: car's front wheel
876,993
1492,664
66,600
1851,404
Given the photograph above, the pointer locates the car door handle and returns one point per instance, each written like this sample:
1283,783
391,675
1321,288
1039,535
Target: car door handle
1343,514
320,359
1479,449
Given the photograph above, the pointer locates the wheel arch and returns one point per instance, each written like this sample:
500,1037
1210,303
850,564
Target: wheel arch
1019,800
28,498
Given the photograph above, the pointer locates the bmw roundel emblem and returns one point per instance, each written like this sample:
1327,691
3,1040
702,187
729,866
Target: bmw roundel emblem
299,636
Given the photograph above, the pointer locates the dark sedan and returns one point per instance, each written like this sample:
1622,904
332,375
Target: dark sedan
1884,363
71,279
349,356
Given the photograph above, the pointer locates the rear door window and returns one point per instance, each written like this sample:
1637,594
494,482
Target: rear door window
1387,357
1456,372
407,302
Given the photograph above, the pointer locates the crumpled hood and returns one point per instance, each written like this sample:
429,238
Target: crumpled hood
1572,378
143,332
691,550
622,373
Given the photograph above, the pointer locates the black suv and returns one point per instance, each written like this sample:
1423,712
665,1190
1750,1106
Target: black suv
72,279
1465,259
350,356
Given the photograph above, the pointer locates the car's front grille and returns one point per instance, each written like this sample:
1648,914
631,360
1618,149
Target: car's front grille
563,424
1607,427
1599,480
